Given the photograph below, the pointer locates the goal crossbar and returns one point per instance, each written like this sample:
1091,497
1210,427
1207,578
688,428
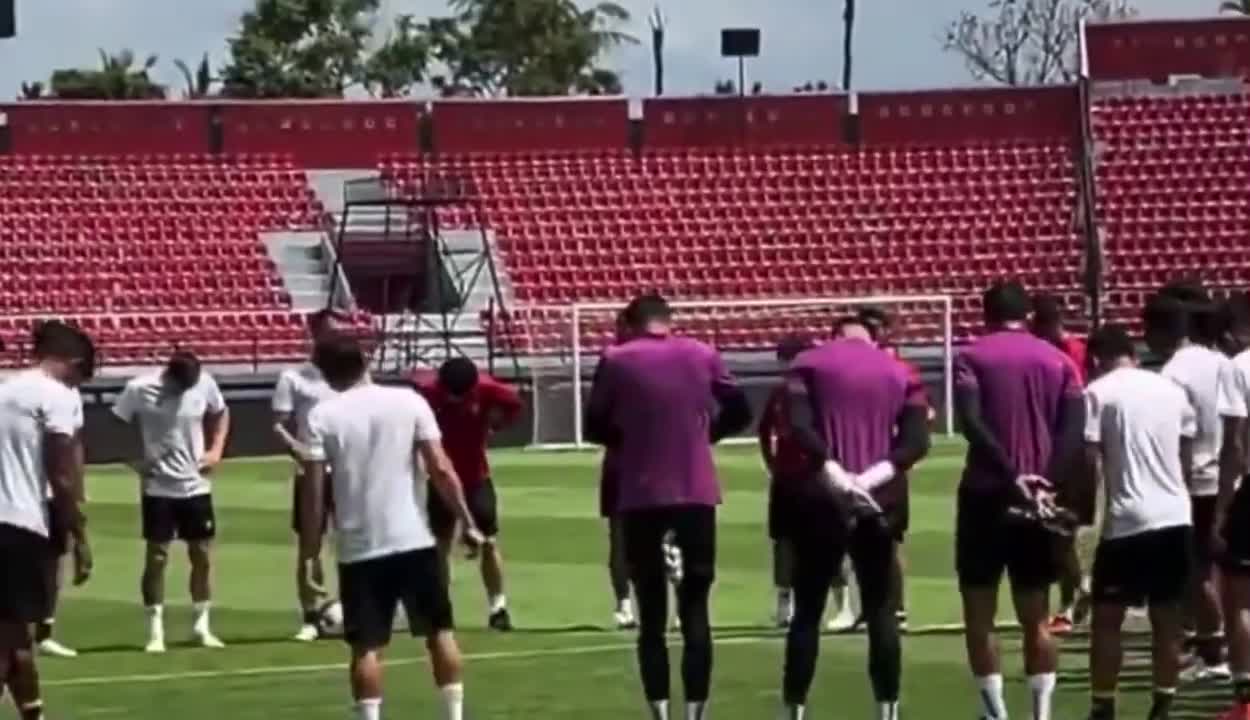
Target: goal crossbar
578,311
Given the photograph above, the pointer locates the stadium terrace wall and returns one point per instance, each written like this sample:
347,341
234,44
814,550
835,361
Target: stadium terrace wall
751,121
525,125
323,134
107,128
978,115
1157,49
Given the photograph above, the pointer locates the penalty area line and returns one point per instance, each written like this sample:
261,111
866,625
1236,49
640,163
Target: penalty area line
148,678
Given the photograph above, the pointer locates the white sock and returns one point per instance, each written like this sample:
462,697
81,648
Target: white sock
696,710
156,620
453,700
369,709
625,606
659,709
1043,689
795,712
201,615
498,602
990,687
887,710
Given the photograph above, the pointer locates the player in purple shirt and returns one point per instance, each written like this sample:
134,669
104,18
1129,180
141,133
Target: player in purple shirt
654,403
1020,406
863,419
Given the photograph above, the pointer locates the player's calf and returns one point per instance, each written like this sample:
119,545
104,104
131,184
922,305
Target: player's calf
447,665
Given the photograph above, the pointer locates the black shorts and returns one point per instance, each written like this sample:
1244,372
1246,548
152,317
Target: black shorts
988,542
1204,523
609,491
1236,559
1150,567
694,533
780,510
188,519
370,590
297,493
24,559
483,506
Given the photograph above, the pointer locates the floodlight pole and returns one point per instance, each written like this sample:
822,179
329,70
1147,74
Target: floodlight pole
742,76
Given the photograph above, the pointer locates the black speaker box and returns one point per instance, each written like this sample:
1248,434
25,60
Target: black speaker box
740,42
8,19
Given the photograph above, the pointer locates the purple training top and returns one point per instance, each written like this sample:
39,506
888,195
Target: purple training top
1022,383
660,392
858,392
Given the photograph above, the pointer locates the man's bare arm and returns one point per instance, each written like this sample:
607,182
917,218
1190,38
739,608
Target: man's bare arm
62,458
1232,466
216,431
282,429
1187,461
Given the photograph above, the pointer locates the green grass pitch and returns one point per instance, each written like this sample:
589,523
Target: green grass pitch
562,662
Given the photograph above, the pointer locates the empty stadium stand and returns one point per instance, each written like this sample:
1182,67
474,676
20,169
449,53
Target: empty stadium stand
151,251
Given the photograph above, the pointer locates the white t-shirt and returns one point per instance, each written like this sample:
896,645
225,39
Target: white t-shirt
1197,370
1235,389
1139,419
32,406
298,390
172,428
369,435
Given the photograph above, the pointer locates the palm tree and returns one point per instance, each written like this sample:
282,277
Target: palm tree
1240,7
200,82
848,35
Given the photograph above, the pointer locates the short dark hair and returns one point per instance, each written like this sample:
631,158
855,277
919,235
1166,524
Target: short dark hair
647,308
1235,311
458,376
1005,301
791,345
1186,290
1047,310
1166,316
1110,342
183,369
845,321
875,319
319,319
60,340
340,359
1204,323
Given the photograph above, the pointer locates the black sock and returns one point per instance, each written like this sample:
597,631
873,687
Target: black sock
43,631
1102,708
1161,707
312,617
1241,690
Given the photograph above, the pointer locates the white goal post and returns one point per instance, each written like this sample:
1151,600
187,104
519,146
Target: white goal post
745,331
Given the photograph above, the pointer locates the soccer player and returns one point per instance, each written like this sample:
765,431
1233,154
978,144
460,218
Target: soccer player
1019,402
609,490
1047,323
651,403
384,451
1139,430
469,406
861,421
183,423
1231,531
1179,333
297,391
40,419
786,463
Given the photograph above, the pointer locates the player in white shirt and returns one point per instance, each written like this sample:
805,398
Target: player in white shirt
183,423
384,449
1231,535
297,391
1178,331
1139,431
40,419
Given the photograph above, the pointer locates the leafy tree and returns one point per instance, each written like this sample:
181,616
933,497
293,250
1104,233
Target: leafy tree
117,79
31,91
1027,42
725,87
299,48
1240,7
400,62
199,83
526,47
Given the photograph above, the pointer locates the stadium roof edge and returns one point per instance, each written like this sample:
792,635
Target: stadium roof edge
1243,19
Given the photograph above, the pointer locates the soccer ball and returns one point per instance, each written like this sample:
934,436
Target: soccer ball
330,618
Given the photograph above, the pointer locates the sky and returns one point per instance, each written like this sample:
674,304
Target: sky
896,44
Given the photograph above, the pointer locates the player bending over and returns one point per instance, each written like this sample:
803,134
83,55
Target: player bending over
297,391
469,407
384,450
609,489
786,463
650,403
1047,323
1020,406
1139,431
183,423
1179,332
861,421
1231,531
40,419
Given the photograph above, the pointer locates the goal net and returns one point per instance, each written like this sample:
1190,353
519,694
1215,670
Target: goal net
746,332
